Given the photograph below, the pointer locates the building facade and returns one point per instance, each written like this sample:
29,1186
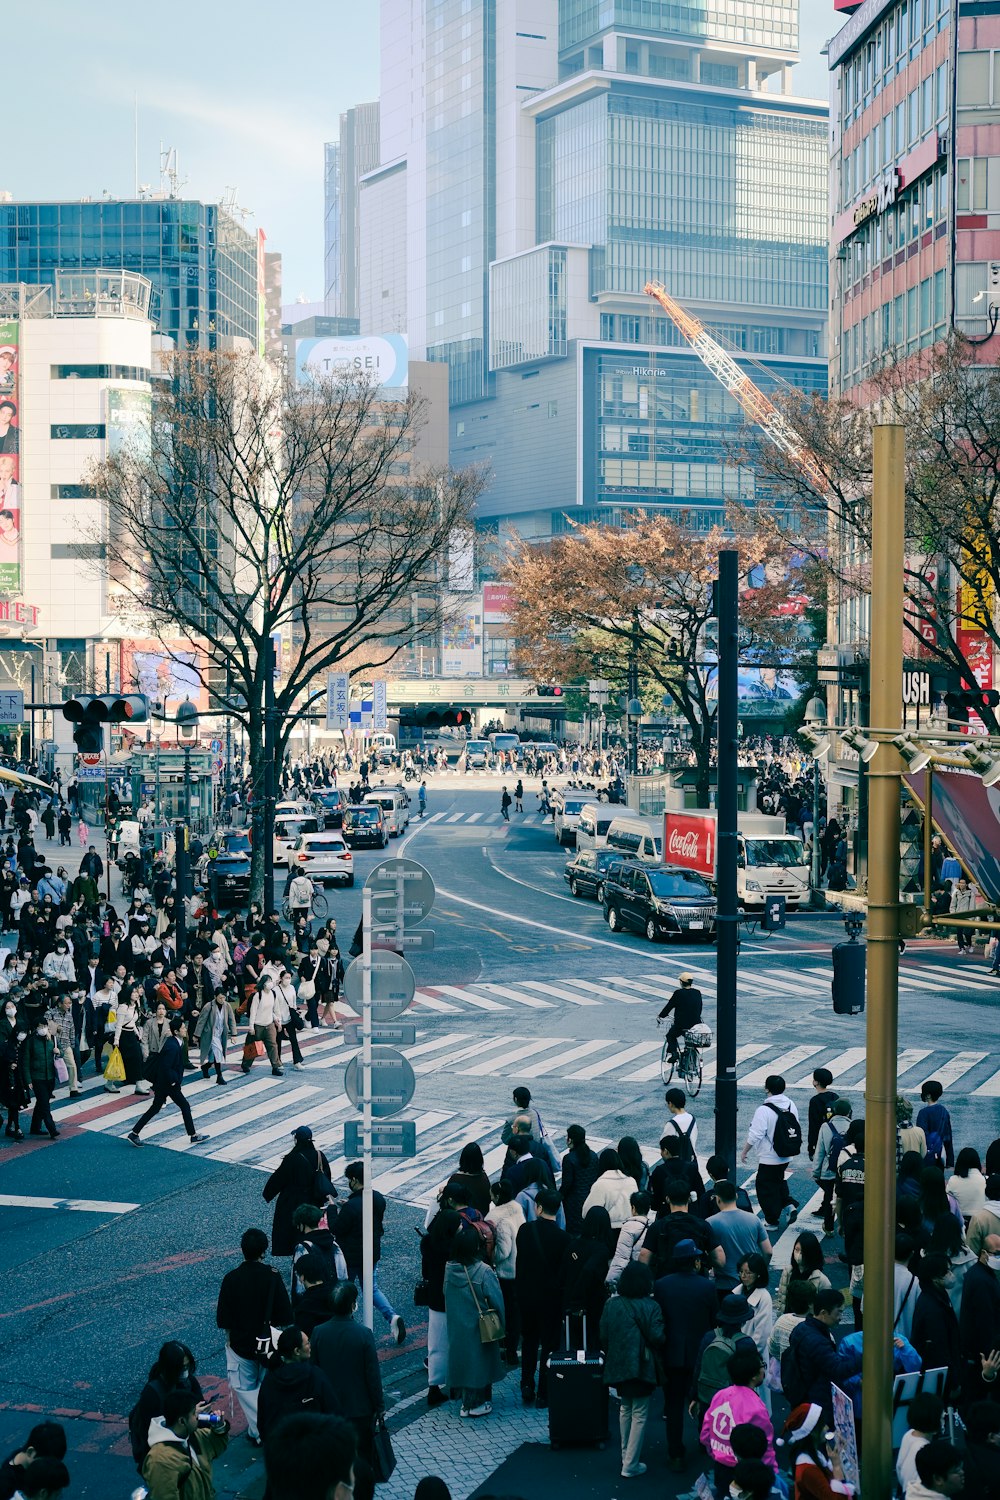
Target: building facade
347,160
204,268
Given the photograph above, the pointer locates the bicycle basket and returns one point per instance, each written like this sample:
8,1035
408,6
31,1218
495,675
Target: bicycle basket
699,1036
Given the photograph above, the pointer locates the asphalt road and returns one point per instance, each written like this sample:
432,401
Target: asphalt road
106,1251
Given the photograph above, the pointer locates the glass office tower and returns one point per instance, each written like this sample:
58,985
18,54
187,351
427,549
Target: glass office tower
201,263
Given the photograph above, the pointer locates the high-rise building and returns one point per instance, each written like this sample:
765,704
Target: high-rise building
201,263
347,160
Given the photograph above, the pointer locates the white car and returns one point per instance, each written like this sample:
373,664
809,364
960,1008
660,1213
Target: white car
287,827
323,857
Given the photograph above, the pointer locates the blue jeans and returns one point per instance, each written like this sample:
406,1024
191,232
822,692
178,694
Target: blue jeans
379,1300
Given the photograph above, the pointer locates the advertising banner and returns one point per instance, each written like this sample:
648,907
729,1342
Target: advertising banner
379,704
337,700
977,648
968,815
689,841
384,360
462,638
166,672
498,603
129,422
10,458
847,1440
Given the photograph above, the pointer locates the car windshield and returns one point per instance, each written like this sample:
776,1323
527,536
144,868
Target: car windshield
604,859
235,843
329,799
574,805
677,883
783,852
325,846
364,815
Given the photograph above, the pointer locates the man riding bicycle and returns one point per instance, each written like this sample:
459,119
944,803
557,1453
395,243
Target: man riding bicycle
685,1004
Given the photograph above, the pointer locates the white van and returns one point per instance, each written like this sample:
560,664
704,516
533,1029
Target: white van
595,821
637,837
567,806
287,827
395,809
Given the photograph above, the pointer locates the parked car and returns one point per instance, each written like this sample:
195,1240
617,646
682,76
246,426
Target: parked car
363,827
587,871
661,901
323,857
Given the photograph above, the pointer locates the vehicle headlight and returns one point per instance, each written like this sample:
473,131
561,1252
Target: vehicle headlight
753,885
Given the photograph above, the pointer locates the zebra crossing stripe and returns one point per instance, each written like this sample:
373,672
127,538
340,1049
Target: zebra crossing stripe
441,1150
560,994
193,1095
549,1064
473,817
595,1070
248,1145
431,1002
988,1090
904,1063
838,1067
434,818
246,1116
481,1002
510,993
780,1064
436,1064
455,818
537,1044
429,1120
605,991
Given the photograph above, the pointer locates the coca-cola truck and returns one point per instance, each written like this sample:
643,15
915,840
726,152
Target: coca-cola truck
769,861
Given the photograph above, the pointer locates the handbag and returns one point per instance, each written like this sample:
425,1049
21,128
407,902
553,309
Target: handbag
252,1050
323,1188
307,989
114,1070
384,1459
267,1343
62,1072
490,1321
422,1293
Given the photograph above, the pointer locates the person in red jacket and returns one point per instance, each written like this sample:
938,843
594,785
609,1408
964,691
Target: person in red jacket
819,1469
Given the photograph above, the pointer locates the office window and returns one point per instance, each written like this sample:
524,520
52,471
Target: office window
78,551
100,372
73,492
973,78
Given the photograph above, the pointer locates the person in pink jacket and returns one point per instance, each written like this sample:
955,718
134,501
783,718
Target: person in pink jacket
733,1405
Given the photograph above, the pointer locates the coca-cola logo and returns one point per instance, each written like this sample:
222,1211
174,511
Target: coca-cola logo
683,844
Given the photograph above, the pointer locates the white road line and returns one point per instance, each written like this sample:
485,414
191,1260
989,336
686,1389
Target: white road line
499,1064
436,1064
606,991
491,817
455,818
781,1064
957,1066
988,1090
443,1149
957,978
904,1062
560,994
626,1055
549,1064
576,937
168,1119
431,1002
434,818
652,1070
247,1145
281,1104
193,1096
840,1065
429,1120
774,980
481,1002
509,993
473,817
73,1205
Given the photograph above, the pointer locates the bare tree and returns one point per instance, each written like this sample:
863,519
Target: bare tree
263,509
949,406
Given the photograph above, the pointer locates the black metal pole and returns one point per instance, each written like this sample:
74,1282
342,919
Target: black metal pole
181,879
270,746
727,610
633,694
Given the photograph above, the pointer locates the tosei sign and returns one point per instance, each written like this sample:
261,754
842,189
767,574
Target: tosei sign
689,841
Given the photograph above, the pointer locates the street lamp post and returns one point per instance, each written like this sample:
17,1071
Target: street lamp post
186,720
815,719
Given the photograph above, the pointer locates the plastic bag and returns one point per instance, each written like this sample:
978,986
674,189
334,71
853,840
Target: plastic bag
114,1071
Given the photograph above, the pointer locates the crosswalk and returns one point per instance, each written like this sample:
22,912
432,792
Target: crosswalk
486,822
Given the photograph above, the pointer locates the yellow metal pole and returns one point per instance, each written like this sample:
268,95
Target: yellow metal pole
884,773
928,833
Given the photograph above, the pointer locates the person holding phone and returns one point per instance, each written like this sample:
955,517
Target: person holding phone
817,1461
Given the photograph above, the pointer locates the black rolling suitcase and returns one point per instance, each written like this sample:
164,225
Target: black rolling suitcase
578,1397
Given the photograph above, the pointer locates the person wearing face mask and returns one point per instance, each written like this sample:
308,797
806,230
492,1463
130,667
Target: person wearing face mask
58,965
934,1334
128,1039
38,1072
979,1323
215,1027
13,1093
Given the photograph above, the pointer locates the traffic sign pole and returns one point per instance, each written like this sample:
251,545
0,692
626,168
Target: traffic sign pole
367,1201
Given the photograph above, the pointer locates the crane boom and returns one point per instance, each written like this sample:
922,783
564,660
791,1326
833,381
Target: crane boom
751,398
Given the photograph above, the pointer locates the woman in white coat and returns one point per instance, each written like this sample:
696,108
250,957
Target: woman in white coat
263,1025
612,1190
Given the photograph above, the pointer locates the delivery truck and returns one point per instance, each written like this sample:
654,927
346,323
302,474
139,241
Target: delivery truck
769,861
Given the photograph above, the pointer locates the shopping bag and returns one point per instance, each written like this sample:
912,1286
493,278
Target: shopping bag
384,1457
114,1070
62,1072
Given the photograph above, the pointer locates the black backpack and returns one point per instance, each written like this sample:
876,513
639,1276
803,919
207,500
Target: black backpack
787,1136
793,1384
684,1136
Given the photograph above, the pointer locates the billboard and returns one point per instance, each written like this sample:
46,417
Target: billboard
129,422
968,815
384,360
166,672
498,603
462,638
10,458
689,841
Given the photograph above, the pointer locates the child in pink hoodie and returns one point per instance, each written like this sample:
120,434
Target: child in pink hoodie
733,1405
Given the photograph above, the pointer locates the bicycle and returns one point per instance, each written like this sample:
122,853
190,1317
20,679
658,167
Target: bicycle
687,1064
319,907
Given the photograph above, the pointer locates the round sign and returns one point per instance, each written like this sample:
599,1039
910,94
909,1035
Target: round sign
89,758
393,985
215,746
418,887
393,1083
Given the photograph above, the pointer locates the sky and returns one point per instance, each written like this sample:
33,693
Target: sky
246,94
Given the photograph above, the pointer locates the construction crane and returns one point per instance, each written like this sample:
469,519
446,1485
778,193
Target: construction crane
739,385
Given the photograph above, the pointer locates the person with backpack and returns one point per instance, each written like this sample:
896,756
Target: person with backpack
813,1360
314,1238
349,1237
709,1373
252,1300
708,1202
681,1122
775,1135
829,1143
850,1191
935,1121
679,1223
689,1306
631,1236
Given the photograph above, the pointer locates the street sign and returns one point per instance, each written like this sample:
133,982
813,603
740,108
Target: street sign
215,746
393,1082
91,759
397,1138
11,707
393,986
418,887
90,773
421,940
399,1034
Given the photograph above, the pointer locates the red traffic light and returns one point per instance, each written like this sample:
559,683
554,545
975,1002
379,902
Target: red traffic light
548,690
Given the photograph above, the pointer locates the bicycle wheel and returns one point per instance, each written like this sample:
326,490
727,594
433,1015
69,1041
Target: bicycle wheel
667,1063
320,905
286,909
693,1072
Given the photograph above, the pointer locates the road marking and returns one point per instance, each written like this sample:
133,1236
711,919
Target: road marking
71,1205
595,1070
577,937
958,978
511,994
455,818
473,818
431,1002
435,1064
904,1062
560,994
548,1065
132,1113
840,1065
956,1066
427,1121
434,818
491,817
988,1090
442,1150
780,1064
606,991
248,1144
481,1002
247,1116
537,1044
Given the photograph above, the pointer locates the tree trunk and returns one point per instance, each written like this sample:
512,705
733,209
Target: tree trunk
255,756
703,768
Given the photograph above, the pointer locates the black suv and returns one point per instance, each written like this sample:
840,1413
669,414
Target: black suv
333,801
587,873
661,901
363,827
227,878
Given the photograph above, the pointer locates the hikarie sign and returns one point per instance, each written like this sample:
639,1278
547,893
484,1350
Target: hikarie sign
689,841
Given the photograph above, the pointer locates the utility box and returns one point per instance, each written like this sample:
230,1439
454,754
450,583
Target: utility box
849,978
773,916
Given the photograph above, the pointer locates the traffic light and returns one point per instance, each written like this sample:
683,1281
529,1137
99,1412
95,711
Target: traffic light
848,978
548,690
959,702
88,712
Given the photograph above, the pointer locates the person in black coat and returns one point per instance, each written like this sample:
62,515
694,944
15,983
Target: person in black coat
583,1273
294,1182
817,1360
979,1320
345,1351
580,1170
934,1332
689,1304
541,1247
173,1371
296,1384
167,1078
435,1248
982,1451
252,1299
312,1305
